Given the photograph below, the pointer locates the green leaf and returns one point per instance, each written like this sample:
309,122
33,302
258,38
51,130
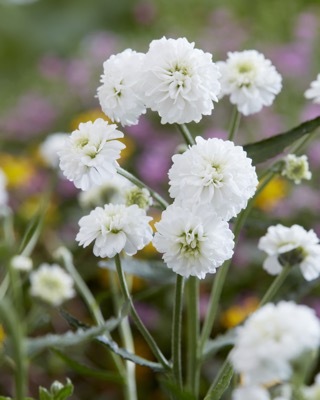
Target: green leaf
268,148
44,394
36,345
63,393
32,233
221,383
214,345
174,390
155,271
113,346
87,371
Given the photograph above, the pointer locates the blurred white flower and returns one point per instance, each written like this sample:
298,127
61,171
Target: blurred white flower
50,147
250,393
271,339
293,245
193,241
21,263
214,172
250,79
90,153
115,228
139,196
120,94
3,190
313,92
180,82
296,168
51,284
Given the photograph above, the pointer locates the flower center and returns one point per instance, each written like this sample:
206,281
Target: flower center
212,176
190,242
246,74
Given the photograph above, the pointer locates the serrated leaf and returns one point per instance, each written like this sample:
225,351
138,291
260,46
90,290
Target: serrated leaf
214,345
268,148
155,271
87,371
36,345
113,346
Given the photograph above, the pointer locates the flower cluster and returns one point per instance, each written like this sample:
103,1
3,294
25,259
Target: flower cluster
313,92
296,168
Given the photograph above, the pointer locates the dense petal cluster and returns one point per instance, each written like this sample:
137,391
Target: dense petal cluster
120,94
3,190
296,168
291,245
50,148
214,172
51,284
271,339
193,241
90,153
180,82
115,228
313,92
250,79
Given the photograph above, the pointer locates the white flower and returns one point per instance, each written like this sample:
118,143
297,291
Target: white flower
139,196
51,146
296,168
193,241
292,246
21,263
120,94
51,284
115,228
271,339
90,153
250,393
110,191
3,190
314,91
214,172
250,79
180,82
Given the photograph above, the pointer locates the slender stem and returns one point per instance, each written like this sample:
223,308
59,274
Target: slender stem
275,286
143,330
176,330
193,372
234,124
127,339
186,134
163,203
4,286
86,296
305,140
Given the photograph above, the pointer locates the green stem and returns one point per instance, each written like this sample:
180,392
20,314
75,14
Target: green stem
186,134
163,203
275,286
234,124
87,296
127,339
143,330
193,372
176,330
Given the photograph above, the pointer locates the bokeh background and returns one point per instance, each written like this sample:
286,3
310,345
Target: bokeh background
51,56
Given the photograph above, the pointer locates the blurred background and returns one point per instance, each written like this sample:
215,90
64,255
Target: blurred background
51,56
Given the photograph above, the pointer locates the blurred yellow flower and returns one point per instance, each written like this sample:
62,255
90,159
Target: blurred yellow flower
2,336
18,170
272,194
31,205
237,313
89,115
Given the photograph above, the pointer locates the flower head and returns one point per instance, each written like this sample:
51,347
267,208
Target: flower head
193,241
250,79
314,91
21,263
271,339
250,393
180,82
292,246
120,94
115,228
51,284
51,146
296,168
214,172
90,153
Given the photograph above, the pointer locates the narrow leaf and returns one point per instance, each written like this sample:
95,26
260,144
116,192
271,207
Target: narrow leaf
87,371
268,148
113,346
221,383
155,271
174,390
